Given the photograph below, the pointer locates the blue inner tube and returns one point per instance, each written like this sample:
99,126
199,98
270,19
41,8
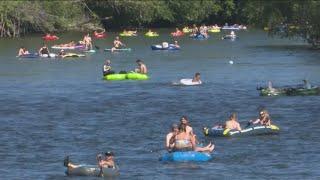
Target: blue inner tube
159,47
199,36
32,55
186,156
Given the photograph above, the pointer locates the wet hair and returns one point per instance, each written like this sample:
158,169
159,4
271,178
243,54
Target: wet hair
233,116
109,153
197,74
174,126
138,61
184,117
183,128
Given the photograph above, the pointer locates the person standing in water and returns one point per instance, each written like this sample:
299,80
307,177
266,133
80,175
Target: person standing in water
142,68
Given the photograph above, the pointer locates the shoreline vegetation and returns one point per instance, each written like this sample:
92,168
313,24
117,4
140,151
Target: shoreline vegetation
286,18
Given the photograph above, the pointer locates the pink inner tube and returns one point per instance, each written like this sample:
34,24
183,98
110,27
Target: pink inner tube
50,38
177,34
96,35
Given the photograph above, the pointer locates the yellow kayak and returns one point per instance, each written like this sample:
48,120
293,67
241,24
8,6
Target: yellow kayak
152,34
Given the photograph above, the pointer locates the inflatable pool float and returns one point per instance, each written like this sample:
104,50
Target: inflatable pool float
290,91
50,37
214,30
199,37
36,55
188,82
152,34
230,28
232,37
72,55
177,34
99,36
92,170
90,51
119,49
250,131
115,77
186,156
127,34
137,76
160,47
68,47
186,30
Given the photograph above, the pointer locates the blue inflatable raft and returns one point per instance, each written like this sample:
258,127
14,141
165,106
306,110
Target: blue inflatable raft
199,37
186,156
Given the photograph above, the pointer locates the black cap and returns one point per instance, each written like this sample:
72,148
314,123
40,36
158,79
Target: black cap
109,153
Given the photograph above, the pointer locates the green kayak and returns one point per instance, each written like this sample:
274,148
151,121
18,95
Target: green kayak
128,76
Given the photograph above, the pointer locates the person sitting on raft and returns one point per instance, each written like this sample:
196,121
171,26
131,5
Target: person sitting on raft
23,51
174,131
232,123
44,50
196,78
183,141
142,68
107,68
62,53
176,44
107,162
117,44
264,119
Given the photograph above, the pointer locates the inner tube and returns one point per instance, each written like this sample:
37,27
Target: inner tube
186,30
92,170
152,34
177,34
68,47
127,34
186,156
50,37
115,77
72,55
199,36
36,55
230,28
250,131
290,91
188,82
160,47
118,49
137,76
99,36
214,30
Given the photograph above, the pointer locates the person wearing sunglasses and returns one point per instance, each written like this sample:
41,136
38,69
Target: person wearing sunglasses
264,119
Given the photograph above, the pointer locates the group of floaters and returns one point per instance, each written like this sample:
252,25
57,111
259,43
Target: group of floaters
181,144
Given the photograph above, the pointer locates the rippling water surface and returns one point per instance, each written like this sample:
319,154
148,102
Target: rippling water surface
51,108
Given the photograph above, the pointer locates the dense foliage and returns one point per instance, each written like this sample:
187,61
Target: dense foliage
288,18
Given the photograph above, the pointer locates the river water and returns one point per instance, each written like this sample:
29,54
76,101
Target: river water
53,108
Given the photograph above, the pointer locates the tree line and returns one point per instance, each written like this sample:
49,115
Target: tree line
287,18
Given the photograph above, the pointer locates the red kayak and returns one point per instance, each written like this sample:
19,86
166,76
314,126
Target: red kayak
99,35
176,34
49,37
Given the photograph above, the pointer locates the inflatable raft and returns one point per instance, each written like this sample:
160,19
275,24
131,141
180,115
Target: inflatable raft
160,47
50,37
250,131
127,34
186,30
232,37
290,91
72,55
177,34
152,34
99,36
92,170
36,55
199,37
186,156
188,82
119,49
128,76
214,30
68,47
230,28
